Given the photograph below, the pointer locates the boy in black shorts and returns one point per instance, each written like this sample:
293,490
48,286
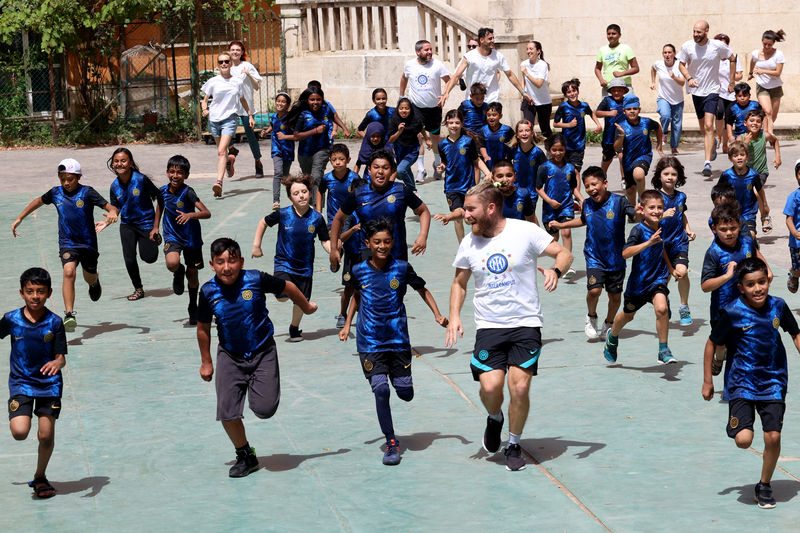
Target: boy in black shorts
35,385
611,111
247,360
756,373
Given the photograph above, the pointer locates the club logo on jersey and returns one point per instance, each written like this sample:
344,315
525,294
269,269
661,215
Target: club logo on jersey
346,277
65,255
502,139
422,79
610,215
48,337
179,204
367,365
681,208
166,247
592,280
776,322
483,355
350,189
391,199
311,228
749,254
734,422
532,163
283,127
497,264
394,284
749,187
79,203
644,131
583,114
247,295
519,207
13,406
462,151
136,192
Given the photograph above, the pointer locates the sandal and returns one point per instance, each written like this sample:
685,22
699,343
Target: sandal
792,284
217,188
46,487
138,294
766,224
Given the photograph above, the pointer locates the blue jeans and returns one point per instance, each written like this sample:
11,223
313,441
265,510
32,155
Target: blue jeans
406,157
251,137
671,114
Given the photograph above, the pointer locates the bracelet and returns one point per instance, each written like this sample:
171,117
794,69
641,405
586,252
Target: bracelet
524,92
557,271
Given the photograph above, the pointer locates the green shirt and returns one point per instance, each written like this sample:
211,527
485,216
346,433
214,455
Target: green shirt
757,154
615,59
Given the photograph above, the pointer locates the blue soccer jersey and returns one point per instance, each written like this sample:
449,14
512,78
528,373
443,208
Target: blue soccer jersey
715,264
637,145
649,269
328,112
526,166
496,147
75,216
240,310
382,323
187,235
294,249
339,190
474,115
33,344
755,366
319,141
609,128
747,186
135,201
458,157
374,116
518,205
672,232
605,231
792,209
735,116
558,183
281,148
566,113
392,202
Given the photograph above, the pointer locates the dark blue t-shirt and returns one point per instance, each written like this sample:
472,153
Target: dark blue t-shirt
458,157
558,183
747,187
496,147
374,116
187,235
715,264
672,232
281,148
518,205
319,141
649,269
294,248
637,145
75,216
135,201
609,128
605,232
474,116
735,116
566,112
526,166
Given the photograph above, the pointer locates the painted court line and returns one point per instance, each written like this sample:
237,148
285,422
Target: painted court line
232,215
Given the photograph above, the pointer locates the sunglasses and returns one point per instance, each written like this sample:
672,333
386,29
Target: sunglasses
472,46
224,61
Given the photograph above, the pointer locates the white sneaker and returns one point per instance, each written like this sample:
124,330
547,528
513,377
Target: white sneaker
421,175
605,330
591,326
570,274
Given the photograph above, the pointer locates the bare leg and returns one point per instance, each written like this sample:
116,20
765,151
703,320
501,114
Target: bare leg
297,316
458,224
707,127
620,321
47,441
772,450
492,390
68,286
566,234
592,297
222,154
662,317
766,104
236,432
683,284
614,301
519,383
89,278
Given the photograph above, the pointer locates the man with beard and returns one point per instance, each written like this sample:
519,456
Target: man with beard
426,75
501,254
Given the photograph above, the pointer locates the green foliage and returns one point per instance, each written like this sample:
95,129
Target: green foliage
592,137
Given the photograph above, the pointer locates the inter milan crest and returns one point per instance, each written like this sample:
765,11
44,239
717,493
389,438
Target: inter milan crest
79,203
166,247
734,422
136,192
179,204
776,322
391,199
48,337
394,284
631,306
497,264
483,355
65,255
13,406
247,295
367,365
462,151
610,215
311,228
592,280
346,277
519,207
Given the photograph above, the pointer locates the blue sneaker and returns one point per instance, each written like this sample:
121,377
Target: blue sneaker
686,315
610,349
392,455
665,357
707,170
714,153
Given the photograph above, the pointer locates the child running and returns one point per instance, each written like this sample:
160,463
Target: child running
132,193
182,211
405,127
282,145
459,153
382,340
756,141
77,232
722,192
668,176
35,384
756,375
298,225
474,108
604,215
380,113
647,282
527,158
735,114
495,135
375,139
792,212
570,117
517,202
611,111
557,184
749,189
633,140
247,359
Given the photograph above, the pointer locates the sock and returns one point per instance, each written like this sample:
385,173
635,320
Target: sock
707,162
513,439
662,345
437,160
193,296
420,164
612,339
685,306
246,448
382,394
498,417
591,315
95,283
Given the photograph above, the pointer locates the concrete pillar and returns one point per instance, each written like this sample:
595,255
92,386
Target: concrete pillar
408,23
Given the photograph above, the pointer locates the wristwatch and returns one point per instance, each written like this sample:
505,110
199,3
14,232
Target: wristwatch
557,271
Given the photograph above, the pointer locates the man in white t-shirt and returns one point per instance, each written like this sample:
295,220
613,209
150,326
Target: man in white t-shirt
700,63
501,255
482,66
425,74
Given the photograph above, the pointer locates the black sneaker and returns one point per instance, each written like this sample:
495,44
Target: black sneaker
95,291
492,437
764,497
392,455
514,460
246,463
177,280
259,169
192,315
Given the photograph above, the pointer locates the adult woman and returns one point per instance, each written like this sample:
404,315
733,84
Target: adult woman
250,82
726,97
670,94
535,72
227,93
767,65
312,129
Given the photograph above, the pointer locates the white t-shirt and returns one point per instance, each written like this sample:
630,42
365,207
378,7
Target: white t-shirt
247,84
225,94
703,65
425,82
668,89
504,270
725,79
765,80
539,70
483,70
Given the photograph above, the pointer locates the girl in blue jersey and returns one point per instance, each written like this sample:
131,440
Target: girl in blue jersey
133,194
570,117
527,158
380,113
460,157
312,124
676,233
557,184
298,225
282,145
404,129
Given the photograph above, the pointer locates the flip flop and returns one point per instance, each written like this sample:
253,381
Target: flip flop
766,224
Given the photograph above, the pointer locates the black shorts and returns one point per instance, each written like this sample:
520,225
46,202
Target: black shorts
349,260
395,364
722,107
85,257
191,258
705,104
258,377
608,152
628,175
431,118
499,348
557,219
576,158
455,200
747,227
611,280
303,283
679,256
743,413
24,406
632,304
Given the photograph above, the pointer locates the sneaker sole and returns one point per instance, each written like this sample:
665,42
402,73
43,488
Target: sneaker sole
391,463
520,469
295,339
569,275
707,173
216,189
483,443
767,506
673,362
70,328
689,323
246,473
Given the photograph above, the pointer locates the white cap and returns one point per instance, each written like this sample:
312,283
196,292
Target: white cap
70,166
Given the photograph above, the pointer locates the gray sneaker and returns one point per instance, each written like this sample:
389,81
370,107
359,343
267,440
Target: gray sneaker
514,460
